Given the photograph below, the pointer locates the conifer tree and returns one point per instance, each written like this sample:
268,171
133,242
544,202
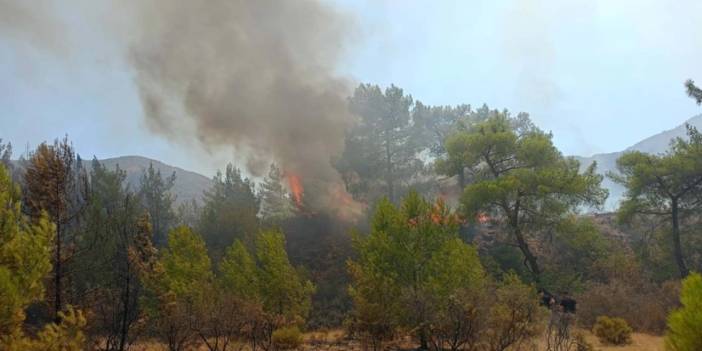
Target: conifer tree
56,183
155,195
409,268
666,186
229,212
685,323
25,260
283,290
520,179
276,204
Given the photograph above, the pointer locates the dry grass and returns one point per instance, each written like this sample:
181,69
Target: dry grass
335,340
640,342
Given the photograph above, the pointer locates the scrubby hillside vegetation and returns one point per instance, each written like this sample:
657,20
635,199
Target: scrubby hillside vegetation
456,229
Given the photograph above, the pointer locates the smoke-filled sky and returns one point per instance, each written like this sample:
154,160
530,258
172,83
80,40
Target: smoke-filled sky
160,80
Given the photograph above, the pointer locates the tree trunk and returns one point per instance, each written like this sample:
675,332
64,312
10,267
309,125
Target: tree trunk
521,242
125,313
423,344
528,255
388,169
462,179
57,275
677,249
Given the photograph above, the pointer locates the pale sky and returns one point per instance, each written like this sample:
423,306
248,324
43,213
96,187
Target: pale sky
600,74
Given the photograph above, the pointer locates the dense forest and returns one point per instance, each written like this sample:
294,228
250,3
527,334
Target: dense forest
458,228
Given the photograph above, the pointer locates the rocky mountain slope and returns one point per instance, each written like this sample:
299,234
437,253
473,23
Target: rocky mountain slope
188,185
655,144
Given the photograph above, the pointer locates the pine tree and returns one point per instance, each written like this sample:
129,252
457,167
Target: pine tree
177,284
239,274
6,155
157,199
693,91
229,212
666,186
276,204
56,183
520,179
408,270
284,292
381,150
25,260
685,323
25,257
108,279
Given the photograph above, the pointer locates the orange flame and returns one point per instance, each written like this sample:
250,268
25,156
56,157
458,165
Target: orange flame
483,218
296,188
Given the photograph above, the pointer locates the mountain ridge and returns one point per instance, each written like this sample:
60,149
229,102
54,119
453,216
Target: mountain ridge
655,144
188,185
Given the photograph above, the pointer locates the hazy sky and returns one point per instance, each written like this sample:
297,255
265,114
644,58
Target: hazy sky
600,74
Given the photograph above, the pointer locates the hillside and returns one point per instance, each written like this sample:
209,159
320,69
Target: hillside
188,185
655,144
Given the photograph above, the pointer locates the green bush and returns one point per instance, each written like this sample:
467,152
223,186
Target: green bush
287,338
615,331
685,324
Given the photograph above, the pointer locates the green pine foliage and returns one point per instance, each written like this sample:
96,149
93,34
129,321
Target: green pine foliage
685,324
25,260
408,269
519,178
665,186
283,290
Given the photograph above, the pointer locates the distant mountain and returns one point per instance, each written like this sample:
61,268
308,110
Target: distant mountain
655,144
188,185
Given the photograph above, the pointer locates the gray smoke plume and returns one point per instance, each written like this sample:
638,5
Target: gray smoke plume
33,23
255,75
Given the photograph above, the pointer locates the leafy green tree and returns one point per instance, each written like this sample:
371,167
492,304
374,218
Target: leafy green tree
229,212
408,268
693,91
685,323
276,204
665,185
520,179
381,149
155,195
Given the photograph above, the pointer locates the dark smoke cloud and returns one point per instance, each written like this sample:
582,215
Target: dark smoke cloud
255,75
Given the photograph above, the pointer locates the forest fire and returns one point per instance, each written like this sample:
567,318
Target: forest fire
296,188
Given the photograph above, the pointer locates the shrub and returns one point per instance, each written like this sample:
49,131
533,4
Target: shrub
514,316
614,331
644,305
581,344
685,324
287,338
